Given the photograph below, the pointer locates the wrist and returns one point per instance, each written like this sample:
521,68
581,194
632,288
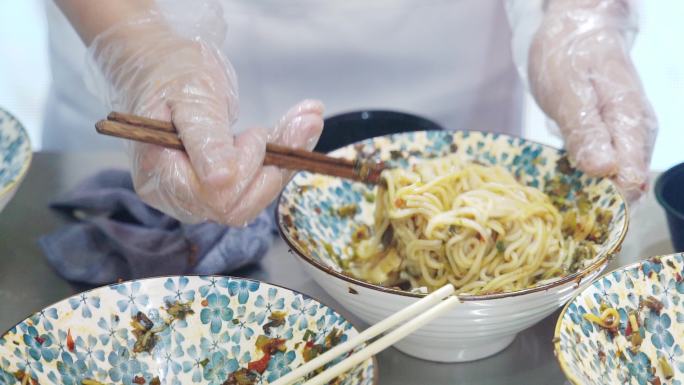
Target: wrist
588,16
92,17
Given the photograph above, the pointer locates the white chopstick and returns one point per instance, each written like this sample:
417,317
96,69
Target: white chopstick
383,343
382,326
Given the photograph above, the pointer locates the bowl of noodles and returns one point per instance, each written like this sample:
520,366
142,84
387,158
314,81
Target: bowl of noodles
627,327
510,223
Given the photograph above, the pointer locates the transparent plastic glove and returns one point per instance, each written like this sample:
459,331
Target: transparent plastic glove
150,70
581,75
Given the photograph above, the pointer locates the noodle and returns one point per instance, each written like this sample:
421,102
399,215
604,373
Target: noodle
474,226
609,318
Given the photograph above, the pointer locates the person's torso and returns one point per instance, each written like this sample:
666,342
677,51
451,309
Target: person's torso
447,60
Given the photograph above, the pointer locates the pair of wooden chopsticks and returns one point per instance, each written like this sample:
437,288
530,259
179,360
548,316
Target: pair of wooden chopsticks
424,311
164,134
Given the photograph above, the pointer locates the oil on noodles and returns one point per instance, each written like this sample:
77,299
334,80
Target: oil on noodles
447,220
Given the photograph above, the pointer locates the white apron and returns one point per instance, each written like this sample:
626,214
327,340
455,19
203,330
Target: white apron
447,60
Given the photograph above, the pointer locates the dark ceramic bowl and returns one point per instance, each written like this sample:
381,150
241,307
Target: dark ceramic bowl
669,191
351,127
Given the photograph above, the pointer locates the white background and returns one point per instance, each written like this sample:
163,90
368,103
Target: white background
658,53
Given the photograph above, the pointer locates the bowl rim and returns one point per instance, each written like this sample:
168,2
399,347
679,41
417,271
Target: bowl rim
376,369
659,187
559,321
354,114
24,168
576,276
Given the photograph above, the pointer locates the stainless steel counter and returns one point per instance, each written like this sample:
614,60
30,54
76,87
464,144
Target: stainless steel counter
27,283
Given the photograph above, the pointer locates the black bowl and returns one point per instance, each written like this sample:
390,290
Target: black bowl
341,130
669,191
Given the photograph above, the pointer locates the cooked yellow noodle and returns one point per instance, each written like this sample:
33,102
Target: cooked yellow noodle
609,318
472,225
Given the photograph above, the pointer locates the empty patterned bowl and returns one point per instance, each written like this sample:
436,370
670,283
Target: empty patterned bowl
175,330
627,327
309,221
15,156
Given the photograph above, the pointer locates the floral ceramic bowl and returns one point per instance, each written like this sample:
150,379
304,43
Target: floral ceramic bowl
15,156
175,330
482,325
643,344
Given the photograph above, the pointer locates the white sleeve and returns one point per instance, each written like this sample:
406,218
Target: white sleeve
524,17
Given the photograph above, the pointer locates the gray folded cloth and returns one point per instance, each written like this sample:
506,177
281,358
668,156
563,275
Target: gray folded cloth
117,236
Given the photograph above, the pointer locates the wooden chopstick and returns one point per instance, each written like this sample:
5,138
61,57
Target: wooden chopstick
161,125
421,313
164,134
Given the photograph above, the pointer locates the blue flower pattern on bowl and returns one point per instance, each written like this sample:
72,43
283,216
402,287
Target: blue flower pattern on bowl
133,297
280,365
658,325
241,325
640,369
65,344
85,302
73,372
217,312
589,354
307,210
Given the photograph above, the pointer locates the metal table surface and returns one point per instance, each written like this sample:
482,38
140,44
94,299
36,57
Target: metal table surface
27,283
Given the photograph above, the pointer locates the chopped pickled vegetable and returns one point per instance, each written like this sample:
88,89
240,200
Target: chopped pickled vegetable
583,204
259,365
309,335
89,381
635,338
144,320
145,342
666,368
270,345
328,248
333,338
569,223
275,319
362,232
179,310
241,377
23,377
145,337
583,251
652,303
70,341
563,165
312,350
303,188
347,210
369,197
602,356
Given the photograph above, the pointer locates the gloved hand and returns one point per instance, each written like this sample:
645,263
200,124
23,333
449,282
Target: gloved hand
151,70
582,76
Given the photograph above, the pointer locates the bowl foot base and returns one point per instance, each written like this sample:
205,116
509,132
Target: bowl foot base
467,352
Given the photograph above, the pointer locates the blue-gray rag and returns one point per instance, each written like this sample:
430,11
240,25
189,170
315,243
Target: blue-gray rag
117,236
